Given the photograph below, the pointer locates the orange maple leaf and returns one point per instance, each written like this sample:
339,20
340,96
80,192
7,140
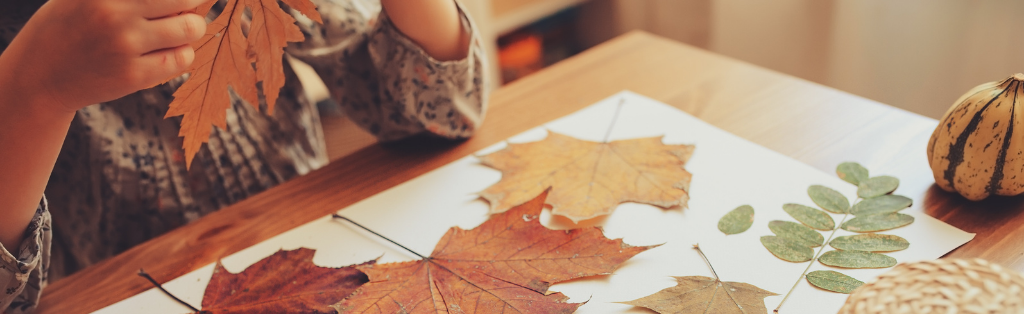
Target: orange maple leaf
223,60
592,178
285,282
503,266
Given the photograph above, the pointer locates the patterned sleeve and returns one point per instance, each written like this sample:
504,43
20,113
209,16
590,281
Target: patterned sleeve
23,276
385,82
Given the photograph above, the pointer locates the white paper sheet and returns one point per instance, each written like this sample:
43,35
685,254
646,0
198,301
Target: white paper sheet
728,171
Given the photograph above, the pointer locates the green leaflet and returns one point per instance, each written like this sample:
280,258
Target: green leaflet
856,259
881,205
833,281
737,220
877,186
852,172
787,249
810,216
828,199
795,231
872,223
870,242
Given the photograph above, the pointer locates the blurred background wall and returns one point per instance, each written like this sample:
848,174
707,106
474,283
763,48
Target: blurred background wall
919,55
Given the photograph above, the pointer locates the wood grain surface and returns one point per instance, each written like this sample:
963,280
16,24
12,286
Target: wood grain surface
817,125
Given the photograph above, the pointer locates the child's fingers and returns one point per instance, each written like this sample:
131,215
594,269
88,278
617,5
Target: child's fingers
155,67
154,9
171,32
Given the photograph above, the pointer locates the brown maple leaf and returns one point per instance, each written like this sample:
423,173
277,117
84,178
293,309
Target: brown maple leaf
592,177
223,59
503,266
285,282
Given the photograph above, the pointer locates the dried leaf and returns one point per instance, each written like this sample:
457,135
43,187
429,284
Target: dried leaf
592,178
788,249
285,282
699,294
881,205
871,242
795,231
833,281
829,199
737,220
810,216
852,172
872,223
877,186
856,259
505,265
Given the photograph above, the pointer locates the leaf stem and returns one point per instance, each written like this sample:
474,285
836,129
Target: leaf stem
697,247
377,234
811,263
615,118
158,286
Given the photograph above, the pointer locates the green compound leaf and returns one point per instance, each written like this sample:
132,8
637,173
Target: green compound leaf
877,186
856,259
872,223
870,242
787,249
852,172
881,205
833,281
737,220
810,216
829,199
795,231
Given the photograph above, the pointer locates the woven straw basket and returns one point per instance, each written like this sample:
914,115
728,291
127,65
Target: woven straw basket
947,286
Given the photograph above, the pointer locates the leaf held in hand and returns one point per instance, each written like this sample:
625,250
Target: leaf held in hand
852,172
788,249
699,294
880,222
871,242
285,282
881,205
504,265
829,199
810,216
833,281
592,178
856,259
877,186
795,231
737,220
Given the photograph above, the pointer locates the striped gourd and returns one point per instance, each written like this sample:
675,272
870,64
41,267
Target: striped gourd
978,148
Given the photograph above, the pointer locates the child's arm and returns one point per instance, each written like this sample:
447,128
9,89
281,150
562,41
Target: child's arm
435,25
71,54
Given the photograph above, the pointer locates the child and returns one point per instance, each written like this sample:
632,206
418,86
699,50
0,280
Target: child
112,167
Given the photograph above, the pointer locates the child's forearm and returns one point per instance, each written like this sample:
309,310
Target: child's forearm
31,135
433,24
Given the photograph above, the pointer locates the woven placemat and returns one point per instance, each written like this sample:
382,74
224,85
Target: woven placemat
947,286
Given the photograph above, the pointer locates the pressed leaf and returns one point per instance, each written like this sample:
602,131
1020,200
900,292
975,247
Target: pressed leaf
833,281
881,205
829,199
852,172
285,282
810,216
788,249
877,186
698,294
737,220
592,178
871,242
505,265
880,222
856,259
795,231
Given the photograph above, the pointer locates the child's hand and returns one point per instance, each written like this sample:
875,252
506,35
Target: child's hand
81,52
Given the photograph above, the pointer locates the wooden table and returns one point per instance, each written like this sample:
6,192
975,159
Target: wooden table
817,125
